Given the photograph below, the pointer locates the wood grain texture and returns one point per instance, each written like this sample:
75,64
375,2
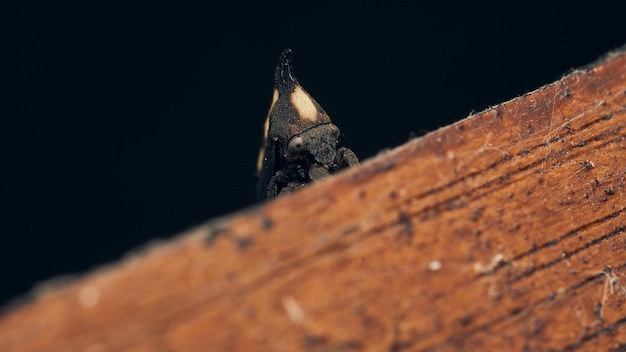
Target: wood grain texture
504,231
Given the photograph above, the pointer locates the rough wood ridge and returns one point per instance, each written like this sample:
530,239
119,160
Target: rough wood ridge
504,231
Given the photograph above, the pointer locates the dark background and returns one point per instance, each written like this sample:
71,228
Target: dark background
126,121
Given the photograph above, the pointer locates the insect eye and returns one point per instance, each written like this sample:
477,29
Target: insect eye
296,145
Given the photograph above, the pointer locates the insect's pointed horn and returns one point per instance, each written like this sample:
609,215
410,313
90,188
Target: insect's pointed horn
284,79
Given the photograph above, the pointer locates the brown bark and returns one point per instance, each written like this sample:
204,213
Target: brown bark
503,231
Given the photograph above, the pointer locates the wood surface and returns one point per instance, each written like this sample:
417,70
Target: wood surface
502,232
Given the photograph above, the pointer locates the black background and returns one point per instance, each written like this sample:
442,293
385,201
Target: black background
125,121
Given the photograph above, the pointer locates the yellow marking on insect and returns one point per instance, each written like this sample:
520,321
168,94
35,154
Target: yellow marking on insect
259,162
266,128
304,105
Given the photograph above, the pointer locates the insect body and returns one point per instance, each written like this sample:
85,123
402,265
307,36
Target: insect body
300,144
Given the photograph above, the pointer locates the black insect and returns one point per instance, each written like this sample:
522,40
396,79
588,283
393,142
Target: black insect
300,144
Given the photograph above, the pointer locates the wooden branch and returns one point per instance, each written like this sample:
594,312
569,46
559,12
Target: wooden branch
504,231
